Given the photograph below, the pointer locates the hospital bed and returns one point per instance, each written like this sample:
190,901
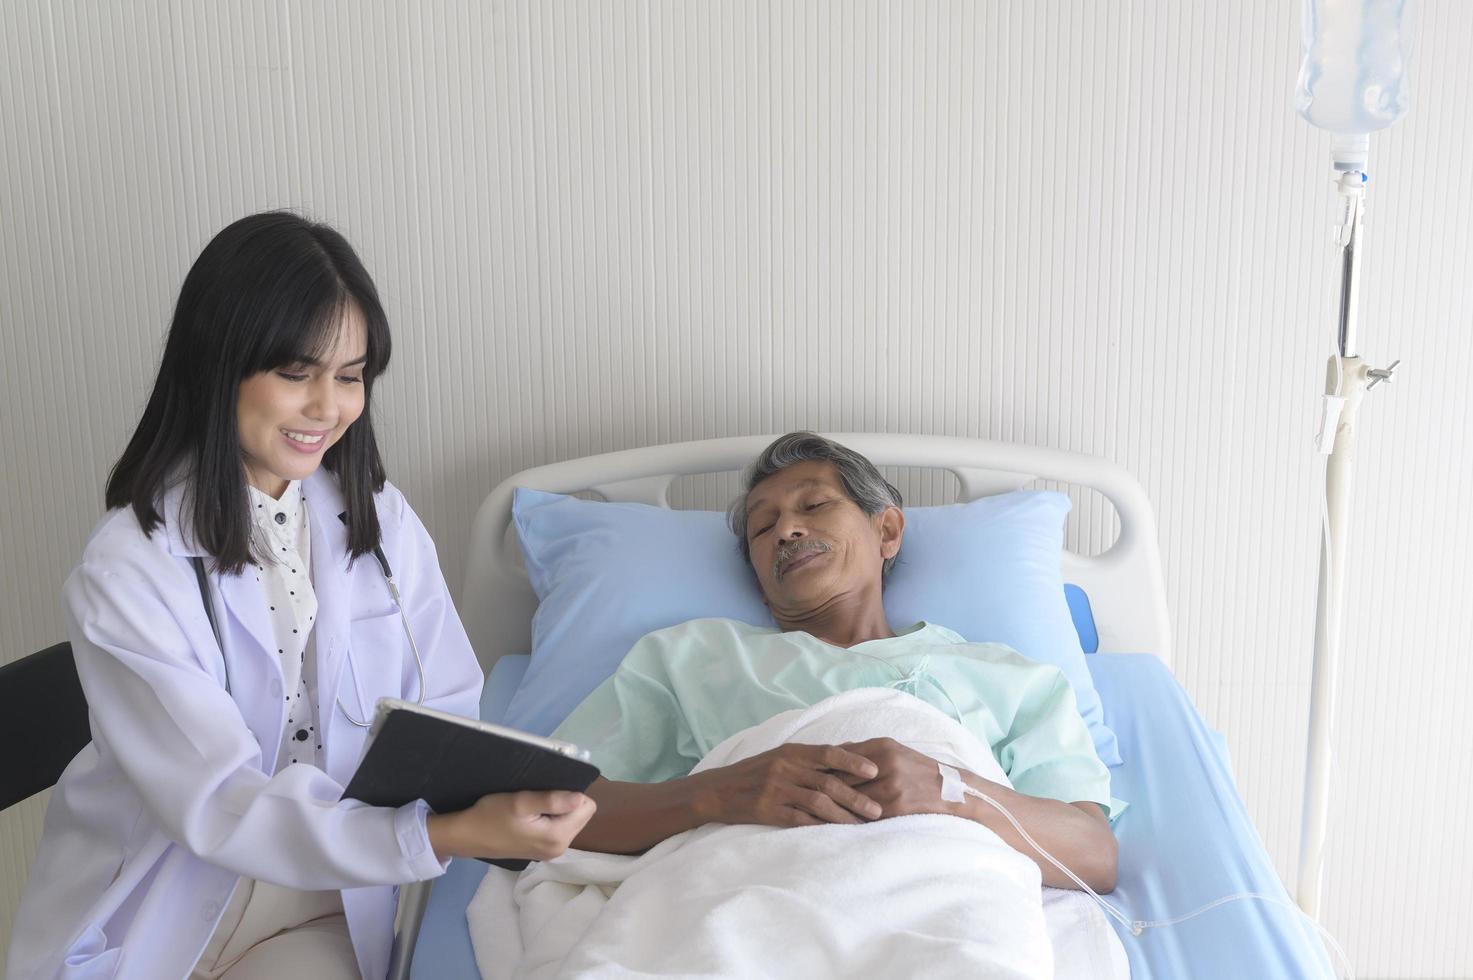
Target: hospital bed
1185,839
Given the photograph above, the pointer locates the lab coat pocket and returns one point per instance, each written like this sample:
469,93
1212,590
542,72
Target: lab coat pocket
89,958
377,654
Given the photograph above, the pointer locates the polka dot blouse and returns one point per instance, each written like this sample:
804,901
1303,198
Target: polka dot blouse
283,531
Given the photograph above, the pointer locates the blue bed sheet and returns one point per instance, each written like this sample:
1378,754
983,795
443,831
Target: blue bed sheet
1185,840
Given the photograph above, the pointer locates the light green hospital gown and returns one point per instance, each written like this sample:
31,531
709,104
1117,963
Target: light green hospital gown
682,691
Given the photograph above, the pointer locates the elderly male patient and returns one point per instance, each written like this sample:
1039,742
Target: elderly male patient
821,527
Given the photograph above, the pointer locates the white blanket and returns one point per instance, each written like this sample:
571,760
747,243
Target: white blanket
927,895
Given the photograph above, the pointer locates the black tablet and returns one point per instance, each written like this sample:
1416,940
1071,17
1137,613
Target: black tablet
419,753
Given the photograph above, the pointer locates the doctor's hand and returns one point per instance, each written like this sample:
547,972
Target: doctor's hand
908,781
539,826
790,786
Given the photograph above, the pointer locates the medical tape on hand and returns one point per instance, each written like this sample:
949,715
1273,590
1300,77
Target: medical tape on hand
953,790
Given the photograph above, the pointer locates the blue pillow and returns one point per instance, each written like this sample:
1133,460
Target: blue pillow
606,574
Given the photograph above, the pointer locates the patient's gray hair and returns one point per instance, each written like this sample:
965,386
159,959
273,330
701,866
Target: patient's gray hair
862,482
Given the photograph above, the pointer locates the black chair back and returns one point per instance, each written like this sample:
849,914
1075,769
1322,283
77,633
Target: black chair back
43,722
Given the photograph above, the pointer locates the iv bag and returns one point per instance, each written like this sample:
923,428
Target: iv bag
1354,77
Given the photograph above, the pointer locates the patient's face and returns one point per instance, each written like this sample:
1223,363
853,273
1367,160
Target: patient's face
811,544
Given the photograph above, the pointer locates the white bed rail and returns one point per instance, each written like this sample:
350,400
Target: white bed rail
1124,584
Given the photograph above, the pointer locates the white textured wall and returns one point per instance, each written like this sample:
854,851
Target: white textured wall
1096,226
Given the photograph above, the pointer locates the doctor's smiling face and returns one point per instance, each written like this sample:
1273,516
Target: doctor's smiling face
276,341
290,416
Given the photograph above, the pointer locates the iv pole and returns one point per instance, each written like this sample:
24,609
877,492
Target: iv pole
1348,379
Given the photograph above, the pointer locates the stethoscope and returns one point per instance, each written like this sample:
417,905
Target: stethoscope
383,564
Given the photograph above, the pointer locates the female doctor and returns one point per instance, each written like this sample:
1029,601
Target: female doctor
201,833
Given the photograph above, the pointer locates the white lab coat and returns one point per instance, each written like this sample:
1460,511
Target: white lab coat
154,822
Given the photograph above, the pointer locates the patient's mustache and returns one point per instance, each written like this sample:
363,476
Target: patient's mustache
788,552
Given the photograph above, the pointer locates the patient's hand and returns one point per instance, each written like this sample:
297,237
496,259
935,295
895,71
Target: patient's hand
790,786
1076,834
907,782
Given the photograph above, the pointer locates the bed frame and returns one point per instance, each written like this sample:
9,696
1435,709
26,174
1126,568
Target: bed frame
1124,584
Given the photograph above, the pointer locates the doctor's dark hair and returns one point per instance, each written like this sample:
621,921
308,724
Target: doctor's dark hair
267,292
861,481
